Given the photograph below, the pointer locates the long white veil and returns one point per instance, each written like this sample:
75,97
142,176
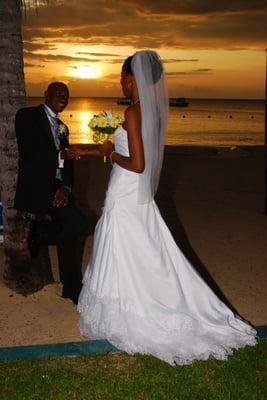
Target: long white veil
149,76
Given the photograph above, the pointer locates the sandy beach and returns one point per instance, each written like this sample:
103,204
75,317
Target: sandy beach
211,198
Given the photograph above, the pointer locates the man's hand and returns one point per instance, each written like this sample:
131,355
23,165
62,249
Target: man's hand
67,154
82,150
61,196
97,150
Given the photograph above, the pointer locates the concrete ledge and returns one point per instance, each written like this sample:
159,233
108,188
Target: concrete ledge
72,348
57,349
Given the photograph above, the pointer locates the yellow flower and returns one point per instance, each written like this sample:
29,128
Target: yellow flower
102,123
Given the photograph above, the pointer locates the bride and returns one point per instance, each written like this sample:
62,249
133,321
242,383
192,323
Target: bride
140,292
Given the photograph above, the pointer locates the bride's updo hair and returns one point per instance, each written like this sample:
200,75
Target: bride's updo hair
155,71
127,66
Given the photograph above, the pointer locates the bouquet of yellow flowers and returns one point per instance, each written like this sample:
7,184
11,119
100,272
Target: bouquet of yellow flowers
103,125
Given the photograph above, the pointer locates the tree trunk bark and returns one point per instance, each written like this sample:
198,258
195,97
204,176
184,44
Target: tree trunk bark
21,273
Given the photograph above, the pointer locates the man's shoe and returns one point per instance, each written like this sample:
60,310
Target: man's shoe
73,298
73,295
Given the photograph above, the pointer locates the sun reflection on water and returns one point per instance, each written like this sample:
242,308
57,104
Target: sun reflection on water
204,122
84,118
79,112
81,133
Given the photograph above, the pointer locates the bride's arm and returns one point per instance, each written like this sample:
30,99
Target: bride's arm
136,160
95,150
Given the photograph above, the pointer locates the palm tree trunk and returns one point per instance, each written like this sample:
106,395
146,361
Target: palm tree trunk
21,273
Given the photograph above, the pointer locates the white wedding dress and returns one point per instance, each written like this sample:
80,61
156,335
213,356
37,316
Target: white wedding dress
141,293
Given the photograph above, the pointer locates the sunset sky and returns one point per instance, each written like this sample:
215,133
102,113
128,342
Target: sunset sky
209,50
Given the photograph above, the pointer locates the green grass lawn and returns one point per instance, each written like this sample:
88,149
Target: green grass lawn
119,376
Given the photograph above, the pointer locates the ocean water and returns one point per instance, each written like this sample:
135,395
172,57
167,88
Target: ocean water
206,122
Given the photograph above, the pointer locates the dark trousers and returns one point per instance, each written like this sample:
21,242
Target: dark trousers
64,229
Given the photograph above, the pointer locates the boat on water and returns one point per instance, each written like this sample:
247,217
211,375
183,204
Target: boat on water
178,102
124,102
174,102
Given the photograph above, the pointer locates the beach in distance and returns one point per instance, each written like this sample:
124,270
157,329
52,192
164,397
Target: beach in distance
211,195
212,199
134,139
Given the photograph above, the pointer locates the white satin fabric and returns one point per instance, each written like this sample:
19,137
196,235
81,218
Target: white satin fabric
140,292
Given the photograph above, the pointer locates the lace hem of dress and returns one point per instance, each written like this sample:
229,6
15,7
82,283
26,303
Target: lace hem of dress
178,340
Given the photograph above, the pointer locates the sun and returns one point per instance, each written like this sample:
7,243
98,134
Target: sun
85,71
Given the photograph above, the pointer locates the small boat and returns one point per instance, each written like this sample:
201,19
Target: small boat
174,102
178,102
124,102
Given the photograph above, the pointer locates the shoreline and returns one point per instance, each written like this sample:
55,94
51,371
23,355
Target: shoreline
173,97
254,151
235,150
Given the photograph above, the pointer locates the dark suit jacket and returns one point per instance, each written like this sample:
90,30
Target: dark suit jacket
38,161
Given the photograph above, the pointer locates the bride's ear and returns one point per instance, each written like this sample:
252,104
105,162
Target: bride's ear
132,82
129,81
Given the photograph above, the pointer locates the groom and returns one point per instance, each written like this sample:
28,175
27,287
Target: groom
44,186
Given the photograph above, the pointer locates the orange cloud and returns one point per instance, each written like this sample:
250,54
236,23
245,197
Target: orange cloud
158,23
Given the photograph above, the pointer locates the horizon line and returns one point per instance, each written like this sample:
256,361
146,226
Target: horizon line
188,98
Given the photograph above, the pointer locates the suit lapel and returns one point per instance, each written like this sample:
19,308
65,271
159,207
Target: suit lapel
45,125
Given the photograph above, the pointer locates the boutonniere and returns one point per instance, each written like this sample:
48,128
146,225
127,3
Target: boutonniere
63,130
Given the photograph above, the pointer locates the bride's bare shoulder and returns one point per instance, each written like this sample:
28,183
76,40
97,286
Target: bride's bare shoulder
132,120
132,111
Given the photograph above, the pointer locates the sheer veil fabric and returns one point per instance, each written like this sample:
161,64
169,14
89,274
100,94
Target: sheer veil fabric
140,292
149,76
